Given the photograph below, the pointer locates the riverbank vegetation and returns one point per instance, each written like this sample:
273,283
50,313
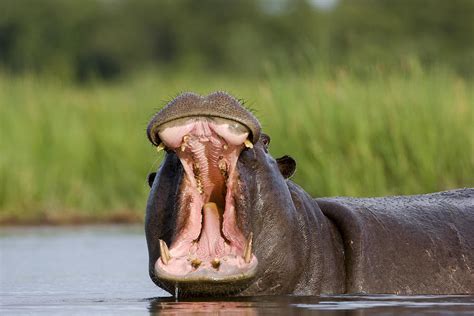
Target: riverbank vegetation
78,153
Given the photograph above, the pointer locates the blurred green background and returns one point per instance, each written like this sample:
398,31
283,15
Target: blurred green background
371,97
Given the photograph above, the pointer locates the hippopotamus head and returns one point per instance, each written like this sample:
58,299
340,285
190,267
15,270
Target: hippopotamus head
221,216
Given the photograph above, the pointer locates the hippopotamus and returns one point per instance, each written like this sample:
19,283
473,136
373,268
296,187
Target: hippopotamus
224,218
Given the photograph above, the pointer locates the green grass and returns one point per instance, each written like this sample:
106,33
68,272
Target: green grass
81,152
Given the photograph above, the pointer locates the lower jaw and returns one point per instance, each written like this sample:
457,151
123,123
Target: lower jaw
225,274
206,282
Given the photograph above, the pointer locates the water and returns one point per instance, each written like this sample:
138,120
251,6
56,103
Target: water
102,270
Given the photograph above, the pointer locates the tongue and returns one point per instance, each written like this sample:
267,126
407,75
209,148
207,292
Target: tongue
211,243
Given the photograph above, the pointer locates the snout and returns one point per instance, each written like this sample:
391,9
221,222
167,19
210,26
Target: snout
218,104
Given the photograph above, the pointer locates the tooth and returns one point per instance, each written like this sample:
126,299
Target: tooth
164,252
216,263
222,167
199,186
248,144
225,147
160,147
196,263
248,249
185,142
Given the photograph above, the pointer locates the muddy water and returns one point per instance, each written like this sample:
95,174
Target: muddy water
102,270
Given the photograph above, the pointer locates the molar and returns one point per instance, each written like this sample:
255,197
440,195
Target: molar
199,185
222,164
185,142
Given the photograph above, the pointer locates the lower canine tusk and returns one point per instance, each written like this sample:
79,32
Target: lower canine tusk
164,252
248,249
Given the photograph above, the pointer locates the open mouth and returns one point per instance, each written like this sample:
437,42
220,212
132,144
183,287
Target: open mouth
209,245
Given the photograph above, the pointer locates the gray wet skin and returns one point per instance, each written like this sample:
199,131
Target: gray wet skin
420,244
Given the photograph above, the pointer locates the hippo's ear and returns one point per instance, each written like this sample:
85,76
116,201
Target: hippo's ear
287,166
151,178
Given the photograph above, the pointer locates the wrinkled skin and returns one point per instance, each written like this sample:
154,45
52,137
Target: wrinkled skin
401,245
419,244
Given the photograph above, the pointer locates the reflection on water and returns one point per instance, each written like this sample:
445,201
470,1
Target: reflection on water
166,307
102,270
324,305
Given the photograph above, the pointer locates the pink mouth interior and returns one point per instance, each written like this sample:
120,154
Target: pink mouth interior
210,244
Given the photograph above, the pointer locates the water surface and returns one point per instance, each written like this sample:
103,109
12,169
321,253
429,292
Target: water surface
102,270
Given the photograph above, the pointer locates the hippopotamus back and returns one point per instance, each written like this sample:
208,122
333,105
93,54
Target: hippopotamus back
407,244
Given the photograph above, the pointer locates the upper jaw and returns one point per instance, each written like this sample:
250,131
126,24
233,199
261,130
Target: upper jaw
218,104
210,246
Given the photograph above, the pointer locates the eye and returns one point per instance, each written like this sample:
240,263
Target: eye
265,141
